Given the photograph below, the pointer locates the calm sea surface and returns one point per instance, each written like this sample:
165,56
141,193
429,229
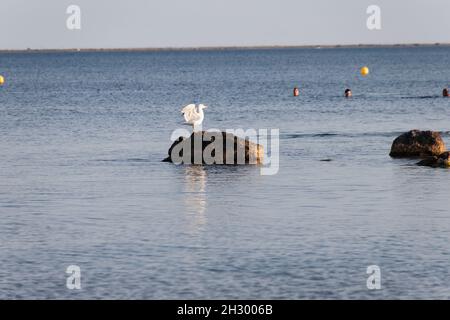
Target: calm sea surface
81,182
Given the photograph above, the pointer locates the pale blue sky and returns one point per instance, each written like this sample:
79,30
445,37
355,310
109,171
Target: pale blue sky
196,23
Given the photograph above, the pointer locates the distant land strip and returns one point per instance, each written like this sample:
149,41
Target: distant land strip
225,48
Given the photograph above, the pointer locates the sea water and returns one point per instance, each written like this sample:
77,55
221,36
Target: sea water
82,136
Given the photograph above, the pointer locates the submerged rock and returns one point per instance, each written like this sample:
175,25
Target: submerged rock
418,143
209,147
441,161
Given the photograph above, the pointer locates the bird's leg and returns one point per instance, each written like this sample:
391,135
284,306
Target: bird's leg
197,127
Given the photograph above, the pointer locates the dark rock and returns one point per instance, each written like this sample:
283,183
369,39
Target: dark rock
428,161
417,143
209,147
441,161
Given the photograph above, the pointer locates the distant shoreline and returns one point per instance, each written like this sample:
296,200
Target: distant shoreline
227,48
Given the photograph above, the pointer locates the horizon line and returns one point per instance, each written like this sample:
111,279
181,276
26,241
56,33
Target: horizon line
223,48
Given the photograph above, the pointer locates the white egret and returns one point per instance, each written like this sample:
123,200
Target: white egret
192,116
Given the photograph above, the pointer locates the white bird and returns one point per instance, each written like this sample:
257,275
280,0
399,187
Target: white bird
192,116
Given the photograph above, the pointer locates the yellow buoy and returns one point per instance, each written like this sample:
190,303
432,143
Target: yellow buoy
364,71
2,80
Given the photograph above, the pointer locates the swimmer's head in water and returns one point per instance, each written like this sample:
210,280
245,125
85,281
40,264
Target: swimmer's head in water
445,92
296,92
348,93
